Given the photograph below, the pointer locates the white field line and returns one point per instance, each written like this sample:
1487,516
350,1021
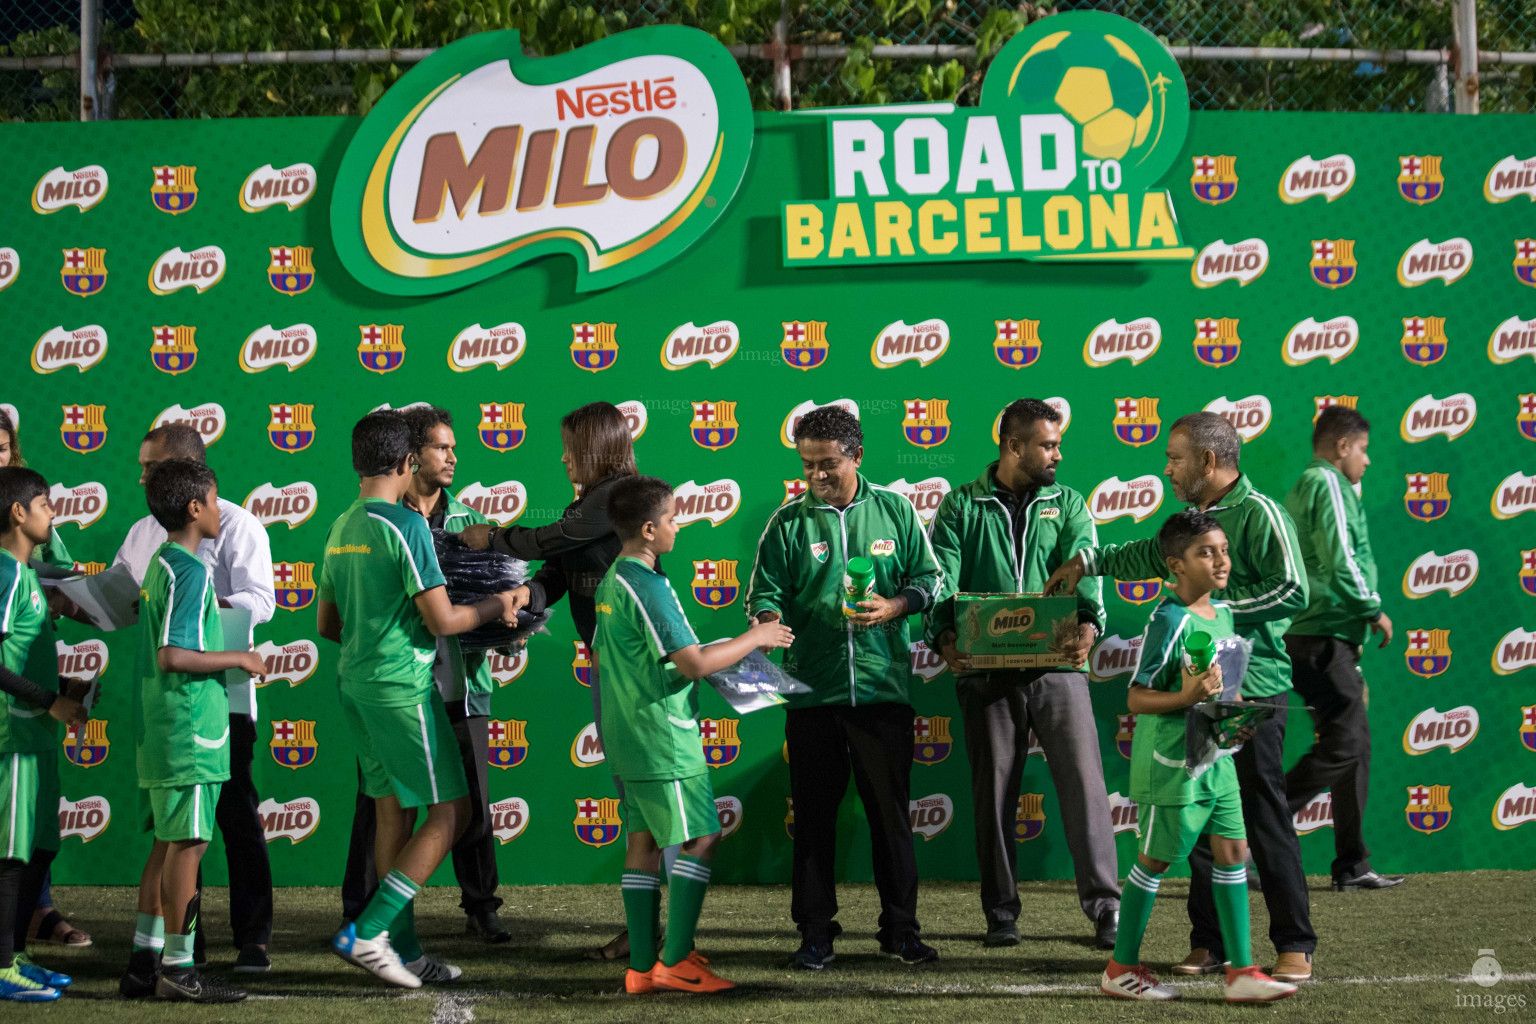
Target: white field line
453,1009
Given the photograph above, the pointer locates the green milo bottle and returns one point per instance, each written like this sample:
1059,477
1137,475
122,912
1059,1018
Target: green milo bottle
858,584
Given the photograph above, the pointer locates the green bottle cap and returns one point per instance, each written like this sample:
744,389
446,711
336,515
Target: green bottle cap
1201,649
858,567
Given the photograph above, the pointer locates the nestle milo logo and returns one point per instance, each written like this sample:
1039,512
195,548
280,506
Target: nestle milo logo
1011,620
620,154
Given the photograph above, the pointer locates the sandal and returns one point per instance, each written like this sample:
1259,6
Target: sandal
49,926
616,949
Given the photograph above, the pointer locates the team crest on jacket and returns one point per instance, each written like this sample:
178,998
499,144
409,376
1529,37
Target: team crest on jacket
508,740
594,347
292,269
80,347
1017,344
292,427
501,425
1136,421
1509,341
1525,261
714,344
793,489
176,269
1029,819
931,741
1429,808
805,344
1216,340
1419,179
902,342
1321,402
84,428
1452,416
1214,180
1305,178
1516,650
1429,652
1112,340
1333,261
927,421
86,746
1516,806
173,350
789,815
1432,571
294,584
59,188
1424,340
1509,178
1139,591
714,424
84,271
381,347
819,550
1243,262
581,663
597,820
721,744
1424,261
1528,727
1251,415
1428,496
1126,735
714,582
269,186
174,189
293,742
1528,572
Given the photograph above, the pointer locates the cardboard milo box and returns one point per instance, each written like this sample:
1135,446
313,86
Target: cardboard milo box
1013,630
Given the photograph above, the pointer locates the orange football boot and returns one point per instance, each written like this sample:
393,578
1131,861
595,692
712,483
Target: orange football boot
688,975
637,983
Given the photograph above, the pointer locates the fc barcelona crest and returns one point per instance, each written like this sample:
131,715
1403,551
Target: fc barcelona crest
714,582
1525,419
1216,340
1138,591
292,269
721,746
87,746
1419,179
1528,727
1136,421
927,421
501,425
1029,820
173,350
805,344
1429,652
597,820
1428,496
292,427
85,271
581,664
508,743
84,428
293,743
1018,342
594,347
294,584
1215,179
931,741
1528,572
174,190
793,489
1429,808
1126,735
1333,261
714,424
1525,261
1424,340
1321,402
381,347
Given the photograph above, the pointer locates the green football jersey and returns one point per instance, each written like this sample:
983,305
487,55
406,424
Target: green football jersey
378,557
1158,775
181,725
650,710
28,650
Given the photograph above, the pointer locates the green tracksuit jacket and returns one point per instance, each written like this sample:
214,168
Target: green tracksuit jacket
973,537
1267,586
1341,569
801,557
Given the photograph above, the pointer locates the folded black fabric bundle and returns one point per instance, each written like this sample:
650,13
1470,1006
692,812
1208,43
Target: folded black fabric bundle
473,576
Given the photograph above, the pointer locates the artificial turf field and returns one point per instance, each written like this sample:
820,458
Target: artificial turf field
1402,955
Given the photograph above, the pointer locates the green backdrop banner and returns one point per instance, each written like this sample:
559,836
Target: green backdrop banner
1335,262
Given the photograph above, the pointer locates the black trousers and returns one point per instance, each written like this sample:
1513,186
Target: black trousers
245,846
1326,673
1276,853
474,855
874,743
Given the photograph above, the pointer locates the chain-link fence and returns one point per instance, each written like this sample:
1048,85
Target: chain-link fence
225,58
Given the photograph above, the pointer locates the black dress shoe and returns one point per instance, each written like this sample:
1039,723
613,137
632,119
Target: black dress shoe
813,955
488,926
909,949
1005,934
1369,880
1106,929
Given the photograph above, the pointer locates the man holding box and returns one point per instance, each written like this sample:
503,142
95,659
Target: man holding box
1005,532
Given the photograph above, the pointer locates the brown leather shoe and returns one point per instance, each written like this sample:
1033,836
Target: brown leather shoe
1199,961
1292,967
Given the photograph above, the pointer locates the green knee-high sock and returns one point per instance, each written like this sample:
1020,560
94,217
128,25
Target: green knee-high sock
1135,911
394,894
1229,887
149,933
685,889
178,950
402,934
642,913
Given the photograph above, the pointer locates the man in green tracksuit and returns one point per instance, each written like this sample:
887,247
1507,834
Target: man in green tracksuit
857,717
1325,640
1268,585
1004,532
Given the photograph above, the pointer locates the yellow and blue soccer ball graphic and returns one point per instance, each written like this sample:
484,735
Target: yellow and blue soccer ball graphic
1097,81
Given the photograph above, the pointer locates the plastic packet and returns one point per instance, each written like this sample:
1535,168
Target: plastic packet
1211,727
754,683
472,576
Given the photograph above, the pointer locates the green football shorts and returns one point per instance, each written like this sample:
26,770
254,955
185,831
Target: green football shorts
672,810
407,752
29,784
178,814
1170,832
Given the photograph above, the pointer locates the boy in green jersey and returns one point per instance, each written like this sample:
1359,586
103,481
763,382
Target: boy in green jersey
650,660
383,598
31,706
181,731
1176,809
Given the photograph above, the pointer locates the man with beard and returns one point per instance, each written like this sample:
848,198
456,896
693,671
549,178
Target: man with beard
1268,585
1005,532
